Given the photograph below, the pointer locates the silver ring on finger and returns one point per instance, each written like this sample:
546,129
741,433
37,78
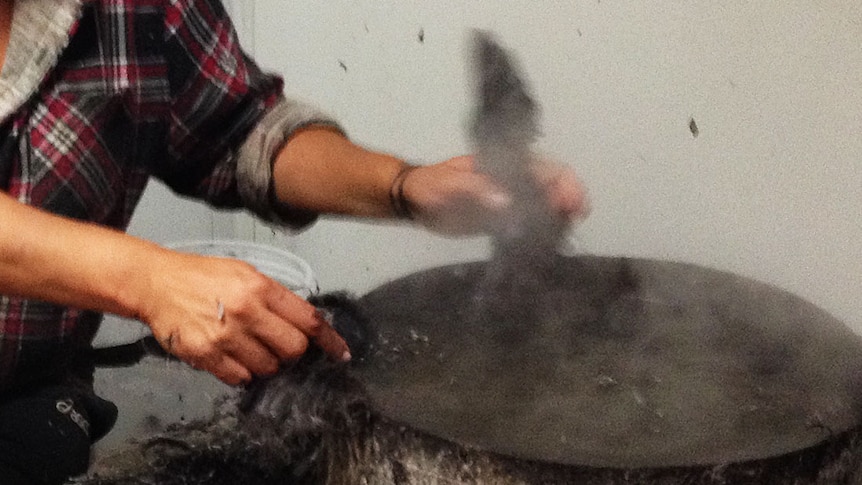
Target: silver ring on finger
219,310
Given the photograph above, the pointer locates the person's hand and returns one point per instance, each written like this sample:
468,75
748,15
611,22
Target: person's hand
223,316
452,198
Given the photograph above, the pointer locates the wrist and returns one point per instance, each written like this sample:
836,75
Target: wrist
138,279
322,172
401,207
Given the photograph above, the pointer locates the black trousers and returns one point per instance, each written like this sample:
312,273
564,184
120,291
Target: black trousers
46,433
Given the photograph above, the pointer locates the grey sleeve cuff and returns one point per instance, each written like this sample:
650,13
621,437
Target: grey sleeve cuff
256,157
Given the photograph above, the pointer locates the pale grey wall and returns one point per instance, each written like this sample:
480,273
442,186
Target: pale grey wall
771,187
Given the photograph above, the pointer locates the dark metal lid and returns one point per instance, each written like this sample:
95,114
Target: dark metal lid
611,362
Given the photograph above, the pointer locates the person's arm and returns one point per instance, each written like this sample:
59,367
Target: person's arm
82,265
321,171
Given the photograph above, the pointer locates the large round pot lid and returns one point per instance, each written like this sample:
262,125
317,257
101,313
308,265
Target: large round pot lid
611,362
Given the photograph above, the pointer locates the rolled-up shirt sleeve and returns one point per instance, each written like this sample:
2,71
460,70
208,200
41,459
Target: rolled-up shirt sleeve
228,118
255,159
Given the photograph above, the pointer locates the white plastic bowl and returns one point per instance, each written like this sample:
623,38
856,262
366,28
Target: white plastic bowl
283,266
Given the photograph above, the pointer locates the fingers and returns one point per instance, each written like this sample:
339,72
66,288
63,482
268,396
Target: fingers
475,186
203,356
279,330
305,318
229,371
330,341
234,355
449,198
566,195
489,195
452,198
254,356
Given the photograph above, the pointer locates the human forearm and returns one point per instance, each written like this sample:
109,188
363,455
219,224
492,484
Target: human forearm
319,170
59,260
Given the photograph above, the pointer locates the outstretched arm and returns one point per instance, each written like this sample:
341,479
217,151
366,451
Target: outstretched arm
321,171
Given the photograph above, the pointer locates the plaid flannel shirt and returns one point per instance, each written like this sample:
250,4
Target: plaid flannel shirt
95,97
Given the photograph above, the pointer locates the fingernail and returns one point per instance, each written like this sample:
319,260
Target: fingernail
345,357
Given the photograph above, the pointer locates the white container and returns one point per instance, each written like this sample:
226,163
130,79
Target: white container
283,266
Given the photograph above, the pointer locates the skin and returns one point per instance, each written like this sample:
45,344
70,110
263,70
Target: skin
5,27
177,295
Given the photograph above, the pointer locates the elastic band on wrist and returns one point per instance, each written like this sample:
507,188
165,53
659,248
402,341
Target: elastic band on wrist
400,205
